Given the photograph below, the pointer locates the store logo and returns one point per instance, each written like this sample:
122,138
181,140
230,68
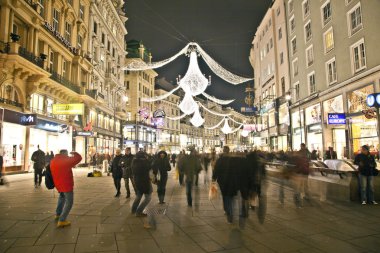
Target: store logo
373,100
336,118
28,119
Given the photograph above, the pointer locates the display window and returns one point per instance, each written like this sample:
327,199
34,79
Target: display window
313,114
333,105
13,145
364,132
357,99
283,117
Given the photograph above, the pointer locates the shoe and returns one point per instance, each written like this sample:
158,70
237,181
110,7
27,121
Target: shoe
62,224
56,217
141,215
147,226
117,195
364,203
35,186
161,202
128,196
374,203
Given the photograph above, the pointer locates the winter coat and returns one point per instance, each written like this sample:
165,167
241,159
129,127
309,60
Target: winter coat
116,170
190,166
38,157
62,173
224,175
366,164
125,163
161,164
140,170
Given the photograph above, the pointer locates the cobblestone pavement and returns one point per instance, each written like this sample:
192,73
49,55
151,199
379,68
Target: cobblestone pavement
102,223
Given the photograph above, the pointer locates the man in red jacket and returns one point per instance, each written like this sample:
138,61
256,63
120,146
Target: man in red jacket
61,170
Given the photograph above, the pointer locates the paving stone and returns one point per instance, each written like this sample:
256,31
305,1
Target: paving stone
54,235
138,246
96,242
32,249
369,243
6,243
25,242
64,248
24,229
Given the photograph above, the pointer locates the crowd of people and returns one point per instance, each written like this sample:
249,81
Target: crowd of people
237,175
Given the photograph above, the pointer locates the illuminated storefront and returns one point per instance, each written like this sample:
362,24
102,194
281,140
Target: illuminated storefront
283,121
314,127
140,136
298,132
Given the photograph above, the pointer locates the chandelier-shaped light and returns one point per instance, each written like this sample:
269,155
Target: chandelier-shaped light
194,82
244,133
197,119
188,105
226,129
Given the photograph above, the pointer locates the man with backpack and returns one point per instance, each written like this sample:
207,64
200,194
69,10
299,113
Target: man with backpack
61,169
38,157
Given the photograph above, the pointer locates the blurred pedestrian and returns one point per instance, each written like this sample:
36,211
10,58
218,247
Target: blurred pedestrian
140,168
367,166
330,154
160,167
181,156
38,157
125,164
173,159
61,170
117,172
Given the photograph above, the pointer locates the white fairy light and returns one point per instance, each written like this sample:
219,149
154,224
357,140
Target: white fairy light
162,97
216,100
197,119
188,105
213,112
176,118
244,133
226,129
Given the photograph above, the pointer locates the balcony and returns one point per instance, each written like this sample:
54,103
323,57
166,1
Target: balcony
4,47
31,57
60,79
10,102
110,77
91,93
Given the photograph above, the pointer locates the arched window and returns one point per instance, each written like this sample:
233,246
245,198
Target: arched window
8,91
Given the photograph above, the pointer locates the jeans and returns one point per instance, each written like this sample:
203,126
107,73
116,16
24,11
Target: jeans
366,182
117,182
228,207
126,181
180,177
37,176
161,187
138,207
65,203
189,186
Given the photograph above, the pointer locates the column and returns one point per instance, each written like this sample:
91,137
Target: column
27,153
5,23
30,42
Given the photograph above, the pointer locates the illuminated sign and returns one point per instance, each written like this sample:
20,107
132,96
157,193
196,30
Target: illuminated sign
28,119
373,100
68,109
85,133
336,118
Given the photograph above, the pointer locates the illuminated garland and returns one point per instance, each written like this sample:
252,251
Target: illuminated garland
216,100
161,97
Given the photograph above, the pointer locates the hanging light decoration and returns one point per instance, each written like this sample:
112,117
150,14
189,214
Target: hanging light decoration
194,82
226,129
197,119
244,133
188,105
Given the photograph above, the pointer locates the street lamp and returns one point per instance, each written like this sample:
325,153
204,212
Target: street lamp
125,100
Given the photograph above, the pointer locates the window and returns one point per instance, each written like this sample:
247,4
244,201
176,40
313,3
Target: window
103,39
290,5
278,11
294,45
348,2
37,103
64,68
80,41
297,89
139,86
270,22
283,85
328,40
292,24
308,34
295,67
267,47
358,56
271,43
326,13
305,8
95,28
41,3
81,11
51,61
355,19
279,33
331,71
309,56
55,20
68,31
281,58
311,82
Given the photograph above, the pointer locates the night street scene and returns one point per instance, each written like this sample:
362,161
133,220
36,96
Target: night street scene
229,126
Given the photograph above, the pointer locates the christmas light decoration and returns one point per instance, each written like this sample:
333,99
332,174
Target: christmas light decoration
187,105
216,100
161,97
197,119
213,112
176,118
244,133
226,129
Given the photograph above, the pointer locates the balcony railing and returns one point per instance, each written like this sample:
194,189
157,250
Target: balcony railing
60,79
32,4
10,102
4,47
31,57
91,93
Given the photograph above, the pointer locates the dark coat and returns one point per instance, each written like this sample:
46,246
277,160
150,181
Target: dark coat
225,176
366,164
189,165
140,169
116,170
38,157
161,164
330,155
125,163
242,175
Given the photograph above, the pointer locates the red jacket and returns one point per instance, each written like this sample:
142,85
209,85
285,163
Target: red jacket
61,170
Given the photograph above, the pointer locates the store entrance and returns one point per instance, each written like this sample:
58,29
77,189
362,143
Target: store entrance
339,142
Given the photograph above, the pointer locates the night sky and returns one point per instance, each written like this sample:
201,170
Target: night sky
224,29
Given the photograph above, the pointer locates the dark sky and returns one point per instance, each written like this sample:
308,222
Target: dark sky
224,29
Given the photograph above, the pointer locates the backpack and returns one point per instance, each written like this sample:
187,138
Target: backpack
49,183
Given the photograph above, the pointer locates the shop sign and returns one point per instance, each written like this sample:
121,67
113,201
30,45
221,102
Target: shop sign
373,100
248,109
51,126
68,109
159,113
314,128
336,118
297,131
267,107
85,133
28,119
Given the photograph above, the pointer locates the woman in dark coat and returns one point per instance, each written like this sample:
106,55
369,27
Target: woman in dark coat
160,167
117,172
140,170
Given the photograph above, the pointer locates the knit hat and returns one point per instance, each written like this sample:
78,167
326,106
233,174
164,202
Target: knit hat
365,147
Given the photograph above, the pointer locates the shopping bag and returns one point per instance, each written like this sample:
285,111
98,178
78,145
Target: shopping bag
213,192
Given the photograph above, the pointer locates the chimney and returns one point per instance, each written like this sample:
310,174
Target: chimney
150,57
141,51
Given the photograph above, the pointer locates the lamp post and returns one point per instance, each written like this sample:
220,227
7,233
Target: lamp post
125,99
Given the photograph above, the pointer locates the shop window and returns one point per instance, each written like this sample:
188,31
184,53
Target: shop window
358,56
354,19
326,13
357,99
328,40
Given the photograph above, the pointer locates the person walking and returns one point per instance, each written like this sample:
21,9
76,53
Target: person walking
367,165
140,169
125,163
117,172
61,170
161,166
189,166
38,157
173,159
181,156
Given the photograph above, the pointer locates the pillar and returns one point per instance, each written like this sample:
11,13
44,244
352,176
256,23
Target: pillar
5,23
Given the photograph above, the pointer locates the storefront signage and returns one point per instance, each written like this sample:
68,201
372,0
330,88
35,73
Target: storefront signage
273,131
159,113
51,126
249,109
373,100
316,128
68,109
336,118
28,119
267,107
85,133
